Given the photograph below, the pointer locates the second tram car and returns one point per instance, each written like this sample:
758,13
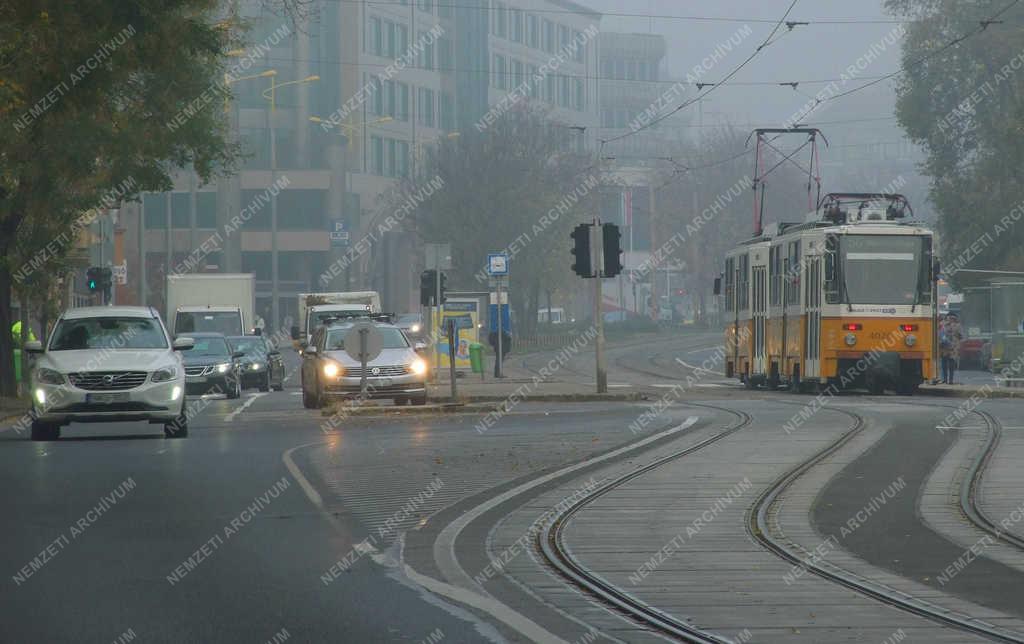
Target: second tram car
845,299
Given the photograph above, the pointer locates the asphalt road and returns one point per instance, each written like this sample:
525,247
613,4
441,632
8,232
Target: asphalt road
262,523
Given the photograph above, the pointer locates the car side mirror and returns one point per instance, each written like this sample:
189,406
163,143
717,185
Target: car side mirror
295,333
419,347
183,344
257,331
237,354
718,286
33,346
309,350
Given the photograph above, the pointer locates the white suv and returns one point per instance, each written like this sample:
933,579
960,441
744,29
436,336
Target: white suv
108,363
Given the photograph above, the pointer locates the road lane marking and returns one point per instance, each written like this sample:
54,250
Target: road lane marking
230,417
690,367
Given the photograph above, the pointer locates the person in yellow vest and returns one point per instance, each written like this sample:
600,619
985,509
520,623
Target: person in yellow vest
16,333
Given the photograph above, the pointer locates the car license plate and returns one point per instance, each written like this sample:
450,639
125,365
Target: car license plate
107,398
385,382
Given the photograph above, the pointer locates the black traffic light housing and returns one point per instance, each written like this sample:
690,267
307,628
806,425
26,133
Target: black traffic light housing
444,287
581,251
92,279
428,288
612,239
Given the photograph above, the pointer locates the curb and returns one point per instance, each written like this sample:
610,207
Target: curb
971,392
473,404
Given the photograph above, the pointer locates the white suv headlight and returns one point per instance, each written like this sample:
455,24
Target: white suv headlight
223,368
418,366
165,374
46,376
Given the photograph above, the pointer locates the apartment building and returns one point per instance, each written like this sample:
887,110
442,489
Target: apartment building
332,116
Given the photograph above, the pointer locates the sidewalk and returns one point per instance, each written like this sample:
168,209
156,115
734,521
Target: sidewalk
970,391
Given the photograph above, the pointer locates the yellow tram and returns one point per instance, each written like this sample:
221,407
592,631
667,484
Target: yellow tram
845,299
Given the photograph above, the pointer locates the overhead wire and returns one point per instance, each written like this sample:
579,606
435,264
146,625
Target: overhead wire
767,41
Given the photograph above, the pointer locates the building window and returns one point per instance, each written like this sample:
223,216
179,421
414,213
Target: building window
378,97
403,40
206,210
500,20
445,61
447,111
375,44
426,5
402,98
620,69
533,31
402,159
581,97
581,47
517,73
516,16
549,88
388,94
564,95
641,70
425,113
389,157
427,53
500,80
533,72
564,34
549,36
376,155
444,9
631,70
607,118
389,39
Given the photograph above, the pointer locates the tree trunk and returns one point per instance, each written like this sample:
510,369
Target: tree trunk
8,387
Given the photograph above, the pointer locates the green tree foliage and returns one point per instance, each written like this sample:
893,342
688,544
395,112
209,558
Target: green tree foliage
87,92
964,105
516,187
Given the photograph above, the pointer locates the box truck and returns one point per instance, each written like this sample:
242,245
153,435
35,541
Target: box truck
315,308
217,302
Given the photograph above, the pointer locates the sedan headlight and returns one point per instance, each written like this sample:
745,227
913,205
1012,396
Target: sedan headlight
414,328
223,367
256,366
165,374
46,376
332,370
418,366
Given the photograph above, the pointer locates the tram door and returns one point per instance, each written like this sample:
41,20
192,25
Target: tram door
812,334
760,313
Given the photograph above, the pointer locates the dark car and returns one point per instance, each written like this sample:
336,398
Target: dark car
261,365
212,366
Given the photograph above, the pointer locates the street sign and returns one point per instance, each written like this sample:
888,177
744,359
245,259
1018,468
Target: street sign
120,273
339,235
497,264
363,342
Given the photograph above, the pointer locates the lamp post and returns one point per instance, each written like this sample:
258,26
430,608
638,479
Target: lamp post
271,95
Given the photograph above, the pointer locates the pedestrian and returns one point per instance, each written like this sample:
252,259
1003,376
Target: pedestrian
950,336
259,325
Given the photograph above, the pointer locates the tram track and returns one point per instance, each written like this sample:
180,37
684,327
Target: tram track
550,542
971,486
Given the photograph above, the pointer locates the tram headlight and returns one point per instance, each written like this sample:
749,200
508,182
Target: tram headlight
851,339
910,339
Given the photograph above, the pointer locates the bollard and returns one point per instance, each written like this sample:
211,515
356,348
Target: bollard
476,358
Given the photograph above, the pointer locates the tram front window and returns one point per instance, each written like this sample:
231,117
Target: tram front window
883,269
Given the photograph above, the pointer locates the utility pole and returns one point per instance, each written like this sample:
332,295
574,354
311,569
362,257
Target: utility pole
275,304
597,244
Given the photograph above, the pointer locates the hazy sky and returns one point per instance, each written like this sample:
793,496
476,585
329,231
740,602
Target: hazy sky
806,53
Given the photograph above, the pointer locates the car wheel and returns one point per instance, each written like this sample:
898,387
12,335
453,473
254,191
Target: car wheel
265,385
177,428
45,431
420,400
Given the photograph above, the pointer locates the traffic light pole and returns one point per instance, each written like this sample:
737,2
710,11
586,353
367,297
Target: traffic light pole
597,245
440,320
499,359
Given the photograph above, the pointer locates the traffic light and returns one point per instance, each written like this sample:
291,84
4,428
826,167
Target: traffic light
444,288
581,251
428,287
612,239
92,277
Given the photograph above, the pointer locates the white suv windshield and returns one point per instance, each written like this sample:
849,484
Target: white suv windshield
108,333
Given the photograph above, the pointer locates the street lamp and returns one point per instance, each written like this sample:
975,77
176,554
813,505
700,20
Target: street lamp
272,90
229,79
